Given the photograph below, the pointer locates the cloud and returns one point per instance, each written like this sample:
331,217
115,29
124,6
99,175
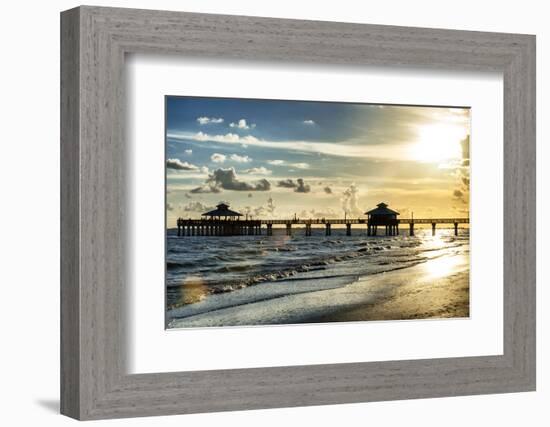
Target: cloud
342,149
227,179
302,187
218,158
208,120
253,211
195,207
301,165
189,151
241,124
465,146
312,213
299,185
258,171
240,159
228,138
177,164
308,122
327,190
462,192
349,201
267,209
270,206
287,183
461,196
205,189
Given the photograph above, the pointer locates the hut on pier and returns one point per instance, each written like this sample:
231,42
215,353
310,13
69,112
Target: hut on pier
222,221
383,216
222,211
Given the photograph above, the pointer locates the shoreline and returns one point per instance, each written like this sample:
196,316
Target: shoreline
436,288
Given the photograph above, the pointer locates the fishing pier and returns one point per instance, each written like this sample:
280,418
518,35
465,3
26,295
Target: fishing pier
225,222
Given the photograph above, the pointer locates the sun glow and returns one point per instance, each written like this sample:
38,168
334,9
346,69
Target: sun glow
441,267
438,143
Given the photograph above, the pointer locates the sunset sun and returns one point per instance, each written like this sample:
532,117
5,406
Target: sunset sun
437,143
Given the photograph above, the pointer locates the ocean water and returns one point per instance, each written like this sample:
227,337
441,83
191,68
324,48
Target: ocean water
209,274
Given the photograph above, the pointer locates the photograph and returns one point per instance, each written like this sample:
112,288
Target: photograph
295,212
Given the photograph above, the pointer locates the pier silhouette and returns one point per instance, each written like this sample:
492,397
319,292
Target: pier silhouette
224,222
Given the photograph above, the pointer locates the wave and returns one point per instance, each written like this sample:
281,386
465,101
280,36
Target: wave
237,265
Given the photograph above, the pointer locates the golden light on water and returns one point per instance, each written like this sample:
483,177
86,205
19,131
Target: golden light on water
444,264
193,289
441,267
438,143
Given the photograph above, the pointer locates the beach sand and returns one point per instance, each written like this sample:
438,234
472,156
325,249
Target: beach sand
410,295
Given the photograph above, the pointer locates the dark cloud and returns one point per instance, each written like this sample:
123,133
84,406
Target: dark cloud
226,179
461,196
205,189
302,186
177,164
299,185
287,183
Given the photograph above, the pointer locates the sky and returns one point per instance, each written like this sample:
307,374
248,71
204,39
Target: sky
280,158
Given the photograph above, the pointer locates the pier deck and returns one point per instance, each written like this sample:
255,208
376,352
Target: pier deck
238,227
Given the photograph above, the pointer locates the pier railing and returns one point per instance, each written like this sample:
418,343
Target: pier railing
364,221
236,227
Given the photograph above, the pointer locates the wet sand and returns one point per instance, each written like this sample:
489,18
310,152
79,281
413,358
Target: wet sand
412,293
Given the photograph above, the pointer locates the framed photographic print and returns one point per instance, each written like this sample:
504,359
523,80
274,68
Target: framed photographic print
350,209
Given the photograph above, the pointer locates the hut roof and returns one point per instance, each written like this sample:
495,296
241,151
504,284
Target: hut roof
382,209
222,210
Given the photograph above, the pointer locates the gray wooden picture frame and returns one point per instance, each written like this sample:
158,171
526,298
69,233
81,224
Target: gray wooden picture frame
94,382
